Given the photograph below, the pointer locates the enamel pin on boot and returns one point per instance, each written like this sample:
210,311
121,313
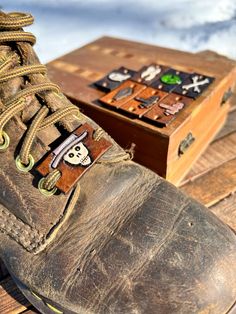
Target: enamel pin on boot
115,238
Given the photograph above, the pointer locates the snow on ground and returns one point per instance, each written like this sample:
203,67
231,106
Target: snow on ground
192,25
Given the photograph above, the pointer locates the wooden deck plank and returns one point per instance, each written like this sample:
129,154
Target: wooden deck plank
12,300
219,152
214,185
229,127
226,210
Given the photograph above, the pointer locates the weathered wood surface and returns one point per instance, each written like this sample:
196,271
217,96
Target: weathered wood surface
12,301
214,185
212,180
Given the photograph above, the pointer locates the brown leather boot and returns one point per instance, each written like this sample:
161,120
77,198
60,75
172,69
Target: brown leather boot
83,228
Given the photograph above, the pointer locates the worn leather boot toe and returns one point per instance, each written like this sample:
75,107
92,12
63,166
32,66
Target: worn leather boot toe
83,228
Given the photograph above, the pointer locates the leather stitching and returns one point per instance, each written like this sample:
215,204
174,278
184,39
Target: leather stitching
28,237
17,191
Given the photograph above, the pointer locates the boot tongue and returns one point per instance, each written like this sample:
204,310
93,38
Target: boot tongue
11,87
15,55
18,54
22,54
9,60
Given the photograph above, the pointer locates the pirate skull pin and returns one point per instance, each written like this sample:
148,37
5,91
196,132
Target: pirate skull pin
78,155
74,156
73,151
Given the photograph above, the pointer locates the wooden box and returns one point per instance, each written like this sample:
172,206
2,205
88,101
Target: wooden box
175,129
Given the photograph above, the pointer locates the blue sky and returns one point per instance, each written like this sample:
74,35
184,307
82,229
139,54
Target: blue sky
182,24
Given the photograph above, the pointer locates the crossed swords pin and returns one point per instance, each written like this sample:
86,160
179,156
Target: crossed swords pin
195,84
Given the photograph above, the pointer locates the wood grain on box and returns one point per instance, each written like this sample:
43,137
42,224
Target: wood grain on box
210,173
157,144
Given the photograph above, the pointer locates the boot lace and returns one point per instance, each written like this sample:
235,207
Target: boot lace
11,31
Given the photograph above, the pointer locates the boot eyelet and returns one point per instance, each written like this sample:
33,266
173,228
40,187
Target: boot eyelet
6,141
45,191
24,168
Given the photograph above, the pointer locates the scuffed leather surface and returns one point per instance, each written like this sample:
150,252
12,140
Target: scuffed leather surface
134,244
19,193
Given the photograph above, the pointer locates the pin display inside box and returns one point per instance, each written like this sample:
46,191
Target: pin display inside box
170,104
